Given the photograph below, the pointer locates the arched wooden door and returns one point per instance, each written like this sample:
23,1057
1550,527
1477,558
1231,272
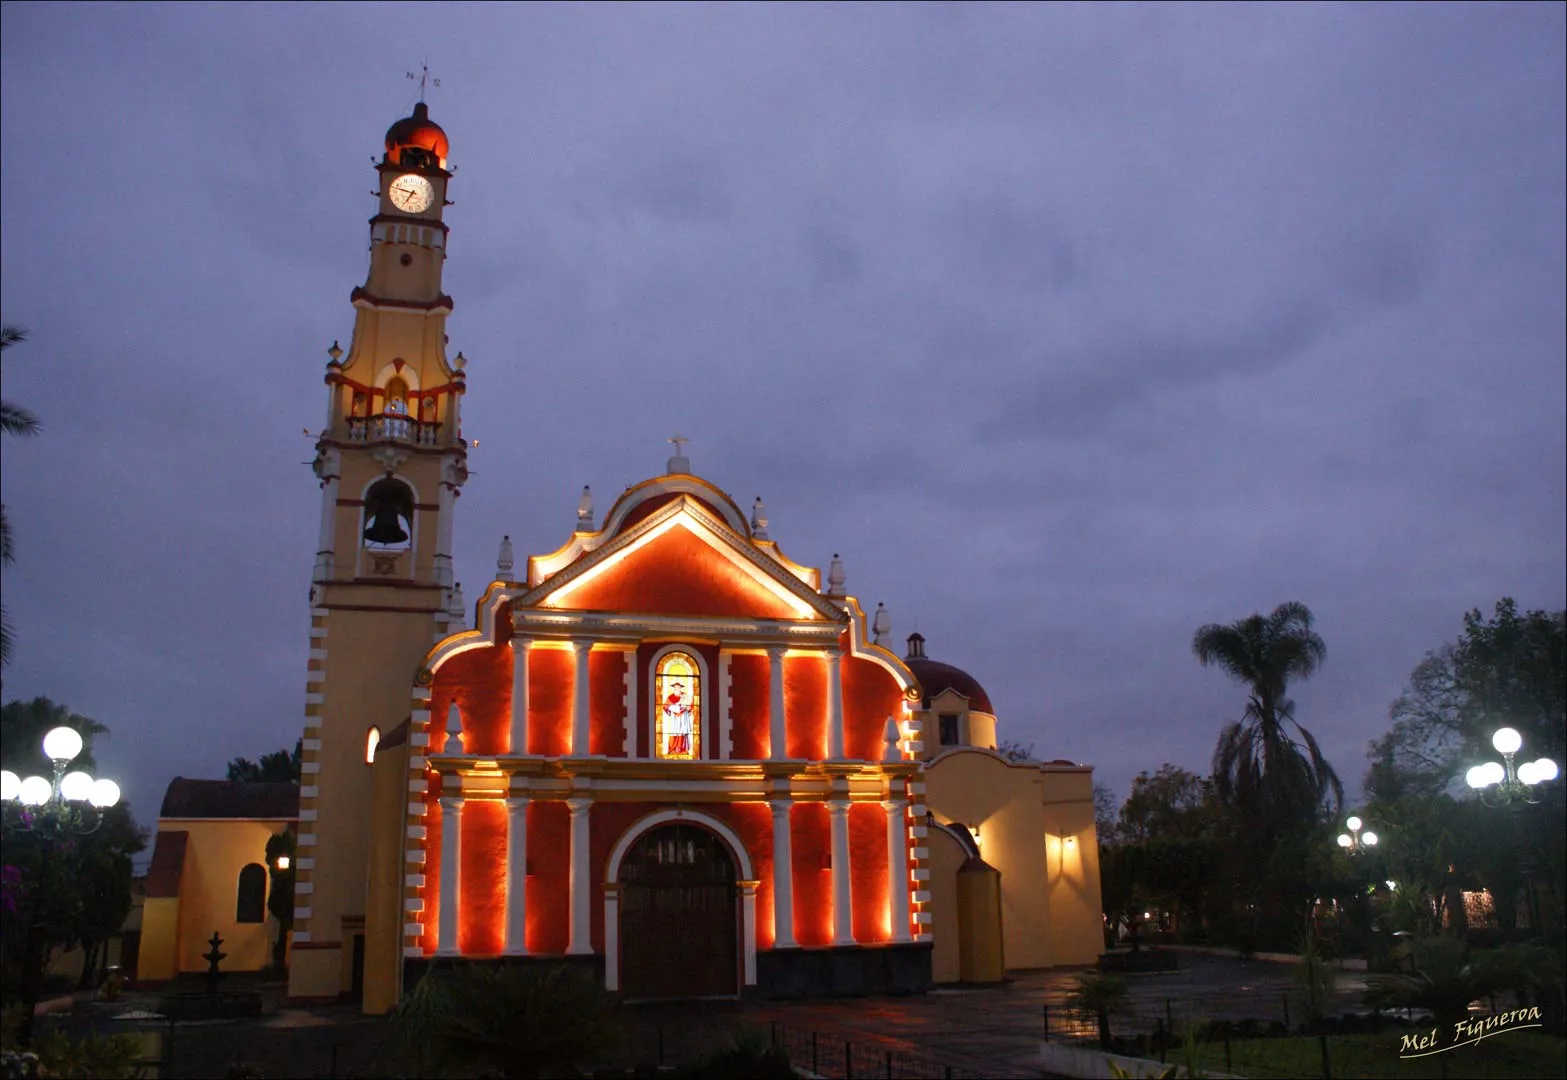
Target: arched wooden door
679,916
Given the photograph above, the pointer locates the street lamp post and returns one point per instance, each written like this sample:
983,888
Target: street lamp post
1355,841
72,803
1504,784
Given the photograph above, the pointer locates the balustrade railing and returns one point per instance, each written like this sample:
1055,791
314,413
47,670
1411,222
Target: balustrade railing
396,426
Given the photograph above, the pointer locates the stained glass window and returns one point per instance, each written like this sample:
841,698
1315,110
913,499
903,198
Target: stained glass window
677,692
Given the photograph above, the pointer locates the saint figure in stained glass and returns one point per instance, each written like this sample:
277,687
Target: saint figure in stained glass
679,705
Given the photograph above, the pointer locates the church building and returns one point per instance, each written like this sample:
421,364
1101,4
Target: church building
664,751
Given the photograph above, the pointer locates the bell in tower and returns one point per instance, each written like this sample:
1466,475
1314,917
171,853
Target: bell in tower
387,505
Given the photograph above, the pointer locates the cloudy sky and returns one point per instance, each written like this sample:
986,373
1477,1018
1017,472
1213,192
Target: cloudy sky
1072,327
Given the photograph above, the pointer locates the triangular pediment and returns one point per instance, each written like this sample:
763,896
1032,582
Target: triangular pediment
681,560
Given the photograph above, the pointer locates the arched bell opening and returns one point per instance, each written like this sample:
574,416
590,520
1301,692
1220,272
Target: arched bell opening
388,516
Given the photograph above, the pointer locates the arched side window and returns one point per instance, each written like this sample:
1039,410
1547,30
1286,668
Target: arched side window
250,905
372,740
677,707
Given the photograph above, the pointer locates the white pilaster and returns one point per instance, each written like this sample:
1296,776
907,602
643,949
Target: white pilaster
748,922
834,705
451,874
521,649
446,501
612,937
581,699
842,909
898,867
778,746
581,919
725,721
783,876
516,877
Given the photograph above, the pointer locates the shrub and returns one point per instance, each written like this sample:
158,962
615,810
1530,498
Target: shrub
1095,997
520,1022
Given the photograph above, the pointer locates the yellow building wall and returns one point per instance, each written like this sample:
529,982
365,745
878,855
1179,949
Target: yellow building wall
372,656
1072,855
1050,901
160,933
209,889
384,905
946,858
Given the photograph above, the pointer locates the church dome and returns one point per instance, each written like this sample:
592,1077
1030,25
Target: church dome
934,677
420,134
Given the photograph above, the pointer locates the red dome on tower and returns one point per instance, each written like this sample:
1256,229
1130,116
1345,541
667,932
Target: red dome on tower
417,141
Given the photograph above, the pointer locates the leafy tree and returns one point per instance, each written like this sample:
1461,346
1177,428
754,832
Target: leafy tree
14,420
1259,768
279,766
1172,804
71,890
1168,851
1508,670
1104,814
280,898
1015,751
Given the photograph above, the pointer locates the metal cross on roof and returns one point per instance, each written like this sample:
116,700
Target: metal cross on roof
680,442
424,79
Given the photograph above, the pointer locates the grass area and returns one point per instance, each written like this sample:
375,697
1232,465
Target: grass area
1503,1056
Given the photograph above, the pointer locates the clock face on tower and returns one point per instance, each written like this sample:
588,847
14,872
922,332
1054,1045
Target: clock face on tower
411,193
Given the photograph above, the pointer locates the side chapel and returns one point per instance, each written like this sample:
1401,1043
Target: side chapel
665,751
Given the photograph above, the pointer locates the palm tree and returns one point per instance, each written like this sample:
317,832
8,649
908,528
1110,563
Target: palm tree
14,420
1260,768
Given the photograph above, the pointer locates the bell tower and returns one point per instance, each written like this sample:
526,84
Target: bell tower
390,461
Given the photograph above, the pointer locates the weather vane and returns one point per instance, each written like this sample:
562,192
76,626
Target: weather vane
424,79
680,442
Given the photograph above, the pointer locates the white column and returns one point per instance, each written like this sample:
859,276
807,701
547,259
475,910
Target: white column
612,937
834,705
721,708
521,649
516,877
842,910
581,920
748,930
581,699
778,748
451,874
898,867
783,876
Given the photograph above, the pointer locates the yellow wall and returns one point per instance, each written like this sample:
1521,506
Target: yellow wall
160,931
1051,910
946,858
384,905
209,888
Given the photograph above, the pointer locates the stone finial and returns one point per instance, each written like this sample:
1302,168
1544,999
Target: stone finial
453,746
759,520
585,510
459,361
504,563
678,462
336,354
459,607
835,577
890,736
881,625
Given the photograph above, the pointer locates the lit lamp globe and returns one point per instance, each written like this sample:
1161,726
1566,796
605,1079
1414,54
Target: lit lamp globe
1545,770
62,744
1354,824
1343,840
1368,838
105,793
76,786
35,791
1506,740
10,785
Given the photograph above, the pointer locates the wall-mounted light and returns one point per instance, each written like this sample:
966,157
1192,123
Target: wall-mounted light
974,829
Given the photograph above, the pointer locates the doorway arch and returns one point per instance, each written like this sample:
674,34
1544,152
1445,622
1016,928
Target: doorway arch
679,909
